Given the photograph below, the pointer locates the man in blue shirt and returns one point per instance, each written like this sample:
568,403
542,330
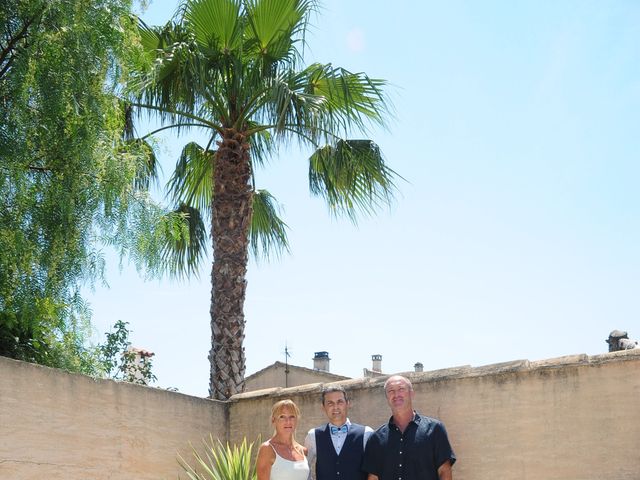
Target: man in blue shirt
338,446
410,446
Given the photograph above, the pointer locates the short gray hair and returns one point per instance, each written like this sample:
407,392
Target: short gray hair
397,377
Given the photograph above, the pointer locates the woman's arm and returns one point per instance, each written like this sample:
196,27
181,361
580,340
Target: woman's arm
266,457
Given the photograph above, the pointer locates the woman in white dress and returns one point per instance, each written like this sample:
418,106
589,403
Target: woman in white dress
281,457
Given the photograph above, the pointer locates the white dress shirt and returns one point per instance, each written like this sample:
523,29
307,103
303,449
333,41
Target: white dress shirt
336,438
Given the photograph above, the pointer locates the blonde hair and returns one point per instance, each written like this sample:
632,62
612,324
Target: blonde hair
282,405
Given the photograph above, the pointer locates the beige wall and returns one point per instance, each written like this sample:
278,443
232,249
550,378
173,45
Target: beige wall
55,426
575,417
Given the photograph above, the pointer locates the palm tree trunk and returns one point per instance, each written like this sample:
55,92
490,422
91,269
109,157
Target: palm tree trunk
232,204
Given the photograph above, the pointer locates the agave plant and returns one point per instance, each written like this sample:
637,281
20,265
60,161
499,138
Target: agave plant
220,461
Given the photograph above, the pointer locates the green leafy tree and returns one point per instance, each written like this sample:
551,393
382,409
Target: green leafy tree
234,69
120,361
71,177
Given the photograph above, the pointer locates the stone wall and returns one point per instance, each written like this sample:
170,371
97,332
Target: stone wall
575,417
59,426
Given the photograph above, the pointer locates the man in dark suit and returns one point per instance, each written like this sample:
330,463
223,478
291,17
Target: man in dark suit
338,446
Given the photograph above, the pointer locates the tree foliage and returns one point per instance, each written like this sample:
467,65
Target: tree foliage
121,362
234,69
71,177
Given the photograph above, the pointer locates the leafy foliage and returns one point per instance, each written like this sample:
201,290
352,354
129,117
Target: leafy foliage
71,178
220,462
120,361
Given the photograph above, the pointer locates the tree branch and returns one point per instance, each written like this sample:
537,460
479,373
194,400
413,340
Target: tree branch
6,54
39,169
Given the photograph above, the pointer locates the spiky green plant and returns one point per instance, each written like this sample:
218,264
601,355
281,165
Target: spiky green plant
220,461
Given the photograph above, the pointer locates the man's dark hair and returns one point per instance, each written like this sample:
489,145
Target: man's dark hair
335,388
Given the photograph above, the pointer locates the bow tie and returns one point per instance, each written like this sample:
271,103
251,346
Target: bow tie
336,430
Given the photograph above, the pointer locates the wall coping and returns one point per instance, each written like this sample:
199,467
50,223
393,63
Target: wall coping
153,390
445,374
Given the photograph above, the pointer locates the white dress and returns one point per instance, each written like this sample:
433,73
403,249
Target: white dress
283,469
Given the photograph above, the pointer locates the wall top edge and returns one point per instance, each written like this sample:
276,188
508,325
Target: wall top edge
107,383
455,373
361,383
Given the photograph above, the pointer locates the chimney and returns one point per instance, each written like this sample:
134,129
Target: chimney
418,367
377,363
141,358
321,361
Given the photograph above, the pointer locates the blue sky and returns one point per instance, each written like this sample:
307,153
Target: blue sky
515,234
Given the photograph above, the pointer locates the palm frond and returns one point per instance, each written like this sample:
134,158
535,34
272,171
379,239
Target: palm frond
234,64
192,180
128,128
174,78
183,251
268,233
274,29
350,99
321,104
149,168
147,165
352,176
281,101
216,25
262,145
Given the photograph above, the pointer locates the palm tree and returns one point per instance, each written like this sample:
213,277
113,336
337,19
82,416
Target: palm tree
234,68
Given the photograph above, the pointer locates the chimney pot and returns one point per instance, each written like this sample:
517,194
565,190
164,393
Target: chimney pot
377,363
321,361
